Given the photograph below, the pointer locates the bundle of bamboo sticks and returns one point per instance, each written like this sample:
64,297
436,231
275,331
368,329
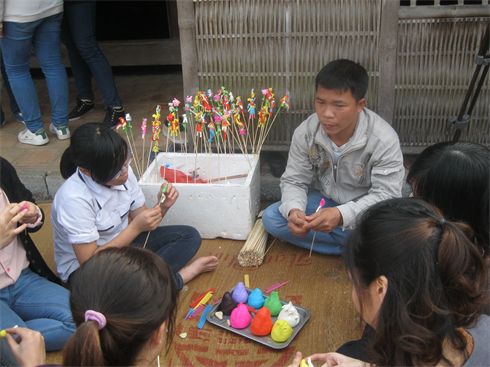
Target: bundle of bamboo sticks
253,251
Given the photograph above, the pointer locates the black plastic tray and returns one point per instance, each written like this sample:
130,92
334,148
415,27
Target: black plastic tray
247,333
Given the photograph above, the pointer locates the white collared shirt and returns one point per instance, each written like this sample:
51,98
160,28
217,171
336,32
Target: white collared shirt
84,211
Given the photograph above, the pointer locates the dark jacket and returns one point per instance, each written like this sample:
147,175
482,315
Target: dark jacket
17,192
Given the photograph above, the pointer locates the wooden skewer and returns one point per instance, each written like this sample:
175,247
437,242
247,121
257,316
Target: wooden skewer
322,203
312,242
146,239
229,177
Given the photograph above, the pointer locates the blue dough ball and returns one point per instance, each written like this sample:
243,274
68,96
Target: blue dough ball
256,299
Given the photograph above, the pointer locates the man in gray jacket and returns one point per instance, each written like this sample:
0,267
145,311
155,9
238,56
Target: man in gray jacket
350,154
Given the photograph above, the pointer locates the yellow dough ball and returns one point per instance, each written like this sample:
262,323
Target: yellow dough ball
281,331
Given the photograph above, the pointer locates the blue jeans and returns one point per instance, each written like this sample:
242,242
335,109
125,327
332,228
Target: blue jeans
38,304
14,107
7,358
86,58
325,243
44,35
175,244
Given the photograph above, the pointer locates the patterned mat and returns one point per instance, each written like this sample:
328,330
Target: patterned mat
318,283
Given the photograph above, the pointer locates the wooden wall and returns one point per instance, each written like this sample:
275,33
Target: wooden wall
420,60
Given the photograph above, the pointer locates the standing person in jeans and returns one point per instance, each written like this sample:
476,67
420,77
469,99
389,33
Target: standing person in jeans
14,107
86,58
35,23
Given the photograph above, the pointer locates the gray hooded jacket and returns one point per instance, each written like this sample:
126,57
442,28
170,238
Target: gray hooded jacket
369,170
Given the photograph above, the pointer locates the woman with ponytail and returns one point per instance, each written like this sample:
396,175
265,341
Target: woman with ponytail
124,303
455,177
91,209
421,284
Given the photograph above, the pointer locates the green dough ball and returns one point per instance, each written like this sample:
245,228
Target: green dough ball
273,304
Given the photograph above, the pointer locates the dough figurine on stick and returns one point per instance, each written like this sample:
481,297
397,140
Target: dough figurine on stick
306,363
164,190
322,203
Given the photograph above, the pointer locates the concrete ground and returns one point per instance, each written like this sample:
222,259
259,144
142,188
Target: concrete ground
140,88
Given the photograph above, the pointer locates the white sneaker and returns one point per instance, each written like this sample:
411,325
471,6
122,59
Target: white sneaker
62,132
37,138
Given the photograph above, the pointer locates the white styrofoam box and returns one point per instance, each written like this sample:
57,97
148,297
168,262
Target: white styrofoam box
225,208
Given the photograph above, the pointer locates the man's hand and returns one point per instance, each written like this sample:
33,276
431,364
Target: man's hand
297,222
325,220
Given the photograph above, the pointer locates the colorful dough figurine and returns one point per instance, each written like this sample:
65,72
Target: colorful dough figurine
262,322
290,314
256,299
273,304
240,317
306,363
281,331
240,294
228,304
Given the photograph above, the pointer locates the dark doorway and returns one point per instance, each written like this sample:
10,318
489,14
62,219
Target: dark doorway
132,20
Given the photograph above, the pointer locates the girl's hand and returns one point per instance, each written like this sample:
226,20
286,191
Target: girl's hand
9,217
148,220
31,214
331,360
28,349
336,359
171,196
297,360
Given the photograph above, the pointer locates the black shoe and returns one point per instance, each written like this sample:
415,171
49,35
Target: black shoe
112,116
81,109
